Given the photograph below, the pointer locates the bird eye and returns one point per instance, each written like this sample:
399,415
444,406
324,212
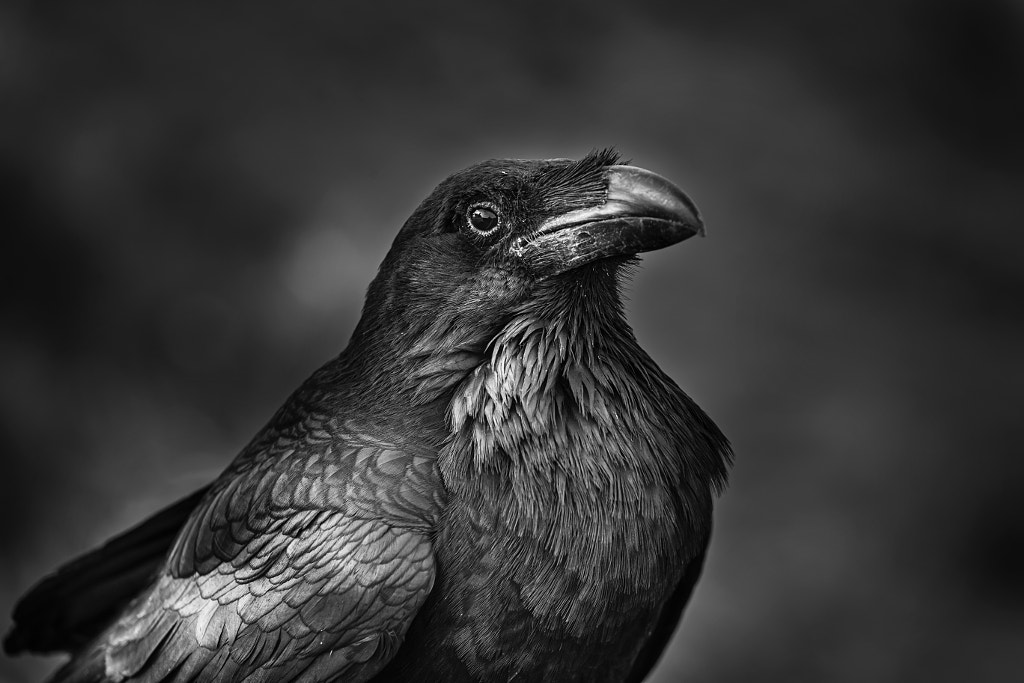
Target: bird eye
483,218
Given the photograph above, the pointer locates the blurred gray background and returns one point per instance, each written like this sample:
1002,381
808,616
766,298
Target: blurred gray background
195,196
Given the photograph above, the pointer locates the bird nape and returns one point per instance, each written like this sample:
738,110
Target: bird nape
492,481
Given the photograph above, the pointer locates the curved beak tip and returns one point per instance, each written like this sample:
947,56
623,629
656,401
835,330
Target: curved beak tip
640,192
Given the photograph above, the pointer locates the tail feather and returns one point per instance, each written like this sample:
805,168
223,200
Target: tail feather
67,609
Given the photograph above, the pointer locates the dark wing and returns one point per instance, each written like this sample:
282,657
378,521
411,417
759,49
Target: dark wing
69,608
306,561
668,621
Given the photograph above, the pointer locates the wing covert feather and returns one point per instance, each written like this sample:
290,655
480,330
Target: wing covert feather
308,558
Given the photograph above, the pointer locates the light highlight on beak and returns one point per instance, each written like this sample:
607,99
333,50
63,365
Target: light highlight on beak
642,212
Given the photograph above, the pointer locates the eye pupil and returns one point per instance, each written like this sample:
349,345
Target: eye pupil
483,219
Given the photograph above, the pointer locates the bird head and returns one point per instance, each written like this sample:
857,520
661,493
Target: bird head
490,236
488,233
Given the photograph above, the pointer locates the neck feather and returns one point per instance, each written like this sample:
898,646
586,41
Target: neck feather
566,397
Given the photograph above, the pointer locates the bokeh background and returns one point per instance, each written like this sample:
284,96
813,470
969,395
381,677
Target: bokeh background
196,194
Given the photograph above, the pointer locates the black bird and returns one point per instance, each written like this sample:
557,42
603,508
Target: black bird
492,481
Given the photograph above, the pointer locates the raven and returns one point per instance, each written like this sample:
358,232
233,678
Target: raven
491,482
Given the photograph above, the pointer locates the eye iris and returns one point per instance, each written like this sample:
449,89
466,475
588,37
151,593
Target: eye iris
483,219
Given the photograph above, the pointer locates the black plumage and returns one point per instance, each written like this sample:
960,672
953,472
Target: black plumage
492,481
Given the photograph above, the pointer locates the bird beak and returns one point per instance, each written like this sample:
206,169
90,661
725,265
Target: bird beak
642,212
